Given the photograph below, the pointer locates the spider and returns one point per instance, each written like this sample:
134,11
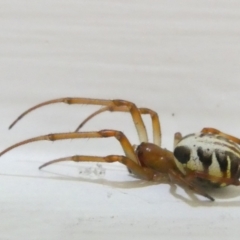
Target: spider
210,156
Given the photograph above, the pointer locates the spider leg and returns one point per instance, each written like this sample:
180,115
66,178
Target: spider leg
216,131
205,176
142,172
180,178
126,146
101,110
177,138
136,116
156,128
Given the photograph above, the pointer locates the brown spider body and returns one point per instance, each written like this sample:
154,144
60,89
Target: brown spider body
210,156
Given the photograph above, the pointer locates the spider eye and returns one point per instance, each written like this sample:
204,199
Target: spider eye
182,154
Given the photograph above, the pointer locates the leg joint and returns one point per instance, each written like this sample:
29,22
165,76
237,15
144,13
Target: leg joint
67,100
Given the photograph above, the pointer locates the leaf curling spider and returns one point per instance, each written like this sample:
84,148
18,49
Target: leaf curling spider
192,159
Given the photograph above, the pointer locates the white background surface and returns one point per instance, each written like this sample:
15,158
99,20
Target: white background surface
180,58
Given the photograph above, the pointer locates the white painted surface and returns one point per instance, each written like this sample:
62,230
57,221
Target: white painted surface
180,58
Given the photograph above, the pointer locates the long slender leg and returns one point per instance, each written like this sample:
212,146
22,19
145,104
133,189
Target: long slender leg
143,173
127,147
156,128
101,110
178,176
216,131
136,116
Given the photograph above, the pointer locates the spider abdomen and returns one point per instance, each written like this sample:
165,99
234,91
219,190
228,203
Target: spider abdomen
210,154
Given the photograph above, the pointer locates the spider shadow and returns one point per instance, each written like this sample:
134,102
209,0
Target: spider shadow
137,183
225,193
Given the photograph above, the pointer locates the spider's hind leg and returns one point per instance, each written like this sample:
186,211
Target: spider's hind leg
188,182
218,132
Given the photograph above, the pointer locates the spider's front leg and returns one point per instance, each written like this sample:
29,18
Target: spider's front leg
127,147
110,105
156,128
130,160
